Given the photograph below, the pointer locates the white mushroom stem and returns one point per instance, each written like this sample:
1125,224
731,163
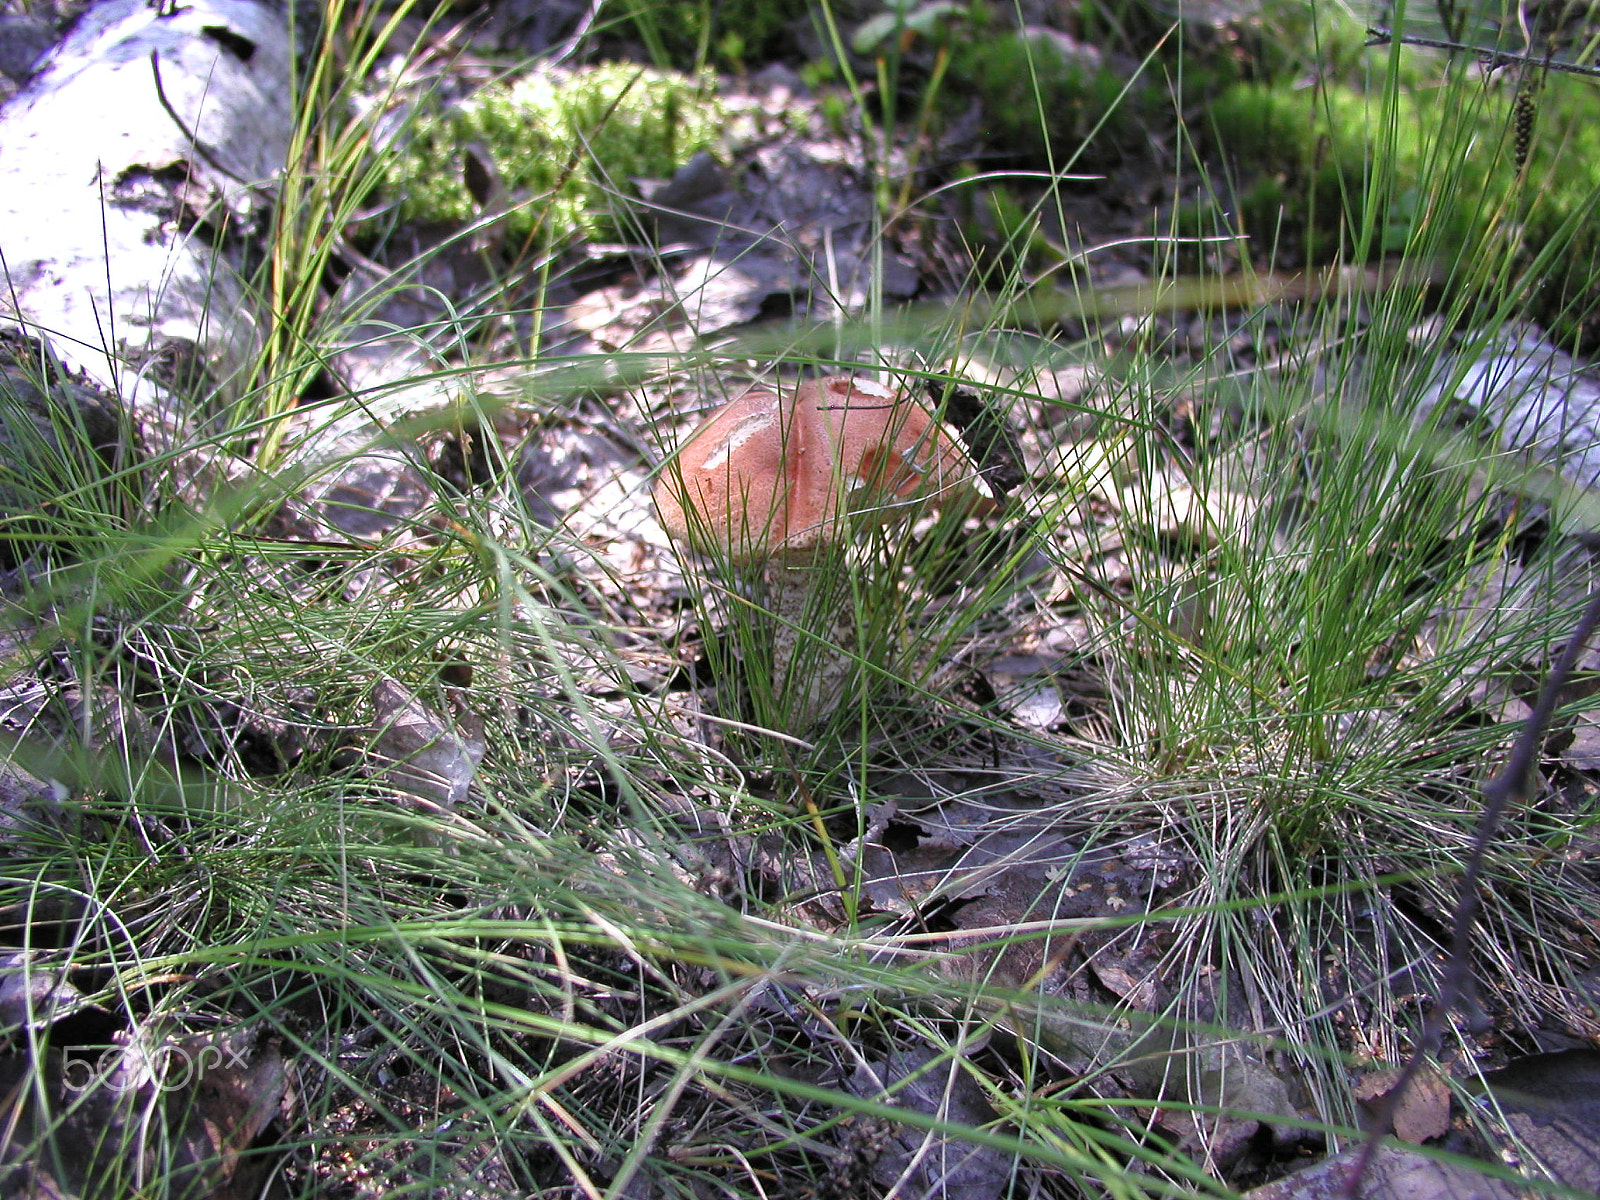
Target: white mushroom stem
813,639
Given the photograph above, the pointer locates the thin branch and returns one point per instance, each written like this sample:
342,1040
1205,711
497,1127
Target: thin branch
1511,784
193,135
1377,36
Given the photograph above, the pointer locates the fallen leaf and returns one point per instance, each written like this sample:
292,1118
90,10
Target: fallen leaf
1420,1113
1393,1174
417,750
34,993
1551,1104
925,1163
235,1093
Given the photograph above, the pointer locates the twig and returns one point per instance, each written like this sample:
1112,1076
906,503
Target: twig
1494,58
193,135
1498,793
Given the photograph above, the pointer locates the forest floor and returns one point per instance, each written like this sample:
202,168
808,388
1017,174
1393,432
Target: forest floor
382,767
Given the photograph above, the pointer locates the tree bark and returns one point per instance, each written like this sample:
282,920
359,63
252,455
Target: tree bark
129,160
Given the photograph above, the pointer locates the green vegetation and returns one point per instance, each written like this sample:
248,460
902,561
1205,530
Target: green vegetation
1047,105
1352,170
1137,817
566,145
1325,140
733,34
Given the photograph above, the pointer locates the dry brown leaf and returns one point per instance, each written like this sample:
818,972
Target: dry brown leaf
921,1162
34,991
229,1105
1141,993
419,751
1421,1113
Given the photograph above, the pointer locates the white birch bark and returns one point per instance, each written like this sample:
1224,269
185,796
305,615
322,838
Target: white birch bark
148,129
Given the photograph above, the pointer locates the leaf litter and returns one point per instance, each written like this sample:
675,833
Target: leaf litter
960,846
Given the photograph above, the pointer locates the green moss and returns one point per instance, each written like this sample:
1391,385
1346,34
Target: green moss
1008,226
1289,38
1428,170
734,33
1040,102
562,141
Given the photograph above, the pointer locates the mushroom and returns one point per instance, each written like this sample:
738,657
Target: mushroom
772,479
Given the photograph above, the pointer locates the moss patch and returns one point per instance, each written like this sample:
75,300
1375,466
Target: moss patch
734,33
565,144
1430,169
1044,100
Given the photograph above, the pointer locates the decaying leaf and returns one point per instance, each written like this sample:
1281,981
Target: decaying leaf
1221,1097
34,991
922,1163
193,1104
1025,688
1551,1107
792,230
1582,753
1420,1113
1174,507
222,1111
1541,1115
1393,1174
1539,398
418,751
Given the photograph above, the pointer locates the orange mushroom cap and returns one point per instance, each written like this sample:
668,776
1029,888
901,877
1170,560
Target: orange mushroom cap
772,474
